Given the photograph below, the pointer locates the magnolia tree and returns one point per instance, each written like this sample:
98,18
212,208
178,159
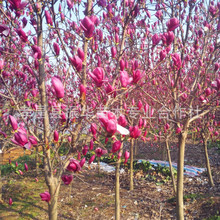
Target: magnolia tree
67,65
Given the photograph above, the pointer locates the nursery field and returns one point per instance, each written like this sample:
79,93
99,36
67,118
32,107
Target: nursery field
91,195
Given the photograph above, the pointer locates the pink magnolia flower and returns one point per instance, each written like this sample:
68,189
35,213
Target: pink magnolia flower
92,158
85,150
67,179
134,132
58,87
109,89
88,27
178,130
56,136
73,166
172,24
108,121
13,122
122,121
21,173
163,54
99,152
1,64
22,35
159,14
37,51
26,167
98,76
91,145
4,30
20,139
156,39
168,38
17,5
122,65
137,75
125,79
114,52
82,90
32,140
176,60
82,162
216,84
81,54
167,126
93,129
45,196
10,201
77,63
208,92
56,48
48,18
116,146
126,155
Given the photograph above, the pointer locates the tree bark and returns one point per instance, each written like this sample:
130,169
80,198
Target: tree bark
54,188
211,183
117,188
37,161
131,164
171,167
1,185
180,176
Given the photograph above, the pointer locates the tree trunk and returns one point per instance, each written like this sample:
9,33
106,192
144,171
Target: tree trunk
180,176
135,149
37,161
1,185
171,167
211,183
54,188
117,188
131,164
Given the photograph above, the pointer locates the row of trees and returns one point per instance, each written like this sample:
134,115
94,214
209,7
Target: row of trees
62,62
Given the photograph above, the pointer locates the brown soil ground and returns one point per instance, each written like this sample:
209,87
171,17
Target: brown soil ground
91,196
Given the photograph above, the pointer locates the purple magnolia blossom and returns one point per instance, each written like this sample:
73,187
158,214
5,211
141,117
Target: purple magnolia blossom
77,62
88,27
20,139
125,79
176,60
116,146
56,48
22,35
172,24
58,87
73,166
98,76
156,39
4,30
45,196
67,179
109,122
137,75
13,122
134,132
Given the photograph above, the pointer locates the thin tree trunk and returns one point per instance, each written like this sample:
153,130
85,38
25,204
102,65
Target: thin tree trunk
211,183
1,185
117,188
180,176
98,165
135,149
171,167
131,164
54,188
37,161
